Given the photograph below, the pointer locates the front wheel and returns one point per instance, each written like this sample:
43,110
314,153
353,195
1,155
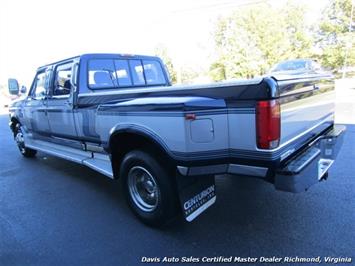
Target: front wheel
149,188
20,141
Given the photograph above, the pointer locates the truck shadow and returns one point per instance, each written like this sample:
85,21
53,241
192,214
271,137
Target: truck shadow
250,217
242,205
81,174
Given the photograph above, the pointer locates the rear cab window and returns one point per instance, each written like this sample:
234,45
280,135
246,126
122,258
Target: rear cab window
137,72
101,74
110,73
123,73
153,72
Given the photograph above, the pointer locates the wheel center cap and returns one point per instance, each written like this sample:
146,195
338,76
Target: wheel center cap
149,186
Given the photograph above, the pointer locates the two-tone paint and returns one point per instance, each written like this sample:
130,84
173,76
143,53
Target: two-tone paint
202,129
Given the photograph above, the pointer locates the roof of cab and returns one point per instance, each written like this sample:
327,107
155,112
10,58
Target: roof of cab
100,55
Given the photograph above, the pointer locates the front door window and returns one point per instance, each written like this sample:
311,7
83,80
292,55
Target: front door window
39,90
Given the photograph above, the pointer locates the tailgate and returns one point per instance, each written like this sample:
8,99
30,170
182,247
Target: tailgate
307,108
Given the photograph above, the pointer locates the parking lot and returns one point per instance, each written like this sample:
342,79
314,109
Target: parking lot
54,212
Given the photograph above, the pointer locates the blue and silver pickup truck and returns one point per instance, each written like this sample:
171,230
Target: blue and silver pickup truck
119,115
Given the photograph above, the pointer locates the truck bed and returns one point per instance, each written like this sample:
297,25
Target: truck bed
306,106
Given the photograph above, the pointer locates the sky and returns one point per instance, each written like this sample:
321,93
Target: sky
37,32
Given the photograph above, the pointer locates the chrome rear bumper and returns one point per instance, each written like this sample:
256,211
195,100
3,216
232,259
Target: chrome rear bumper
311,165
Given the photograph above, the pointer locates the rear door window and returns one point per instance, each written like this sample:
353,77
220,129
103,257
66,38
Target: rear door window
62,81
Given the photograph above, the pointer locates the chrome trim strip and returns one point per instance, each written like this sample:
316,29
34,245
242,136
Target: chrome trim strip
223,169
247,170
290,79
66,96
210,169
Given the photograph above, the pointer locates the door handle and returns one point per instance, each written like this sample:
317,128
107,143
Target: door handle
70,104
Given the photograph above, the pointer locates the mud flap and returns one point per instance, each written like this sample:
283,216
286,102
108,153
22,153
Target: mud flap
196,194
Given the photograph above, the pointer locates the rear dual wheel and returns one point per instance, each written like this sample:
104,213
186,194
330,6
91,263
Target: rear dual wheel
149,188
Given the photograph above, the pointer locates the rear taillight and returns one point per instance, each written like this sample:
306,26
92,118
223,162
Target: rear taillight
268,124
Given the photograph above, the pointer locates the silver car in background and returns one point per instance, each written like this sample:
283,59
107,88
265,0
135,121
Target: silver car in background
296,67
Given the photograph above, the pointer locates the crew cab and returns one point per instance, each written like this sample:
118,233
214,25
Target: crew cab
119,115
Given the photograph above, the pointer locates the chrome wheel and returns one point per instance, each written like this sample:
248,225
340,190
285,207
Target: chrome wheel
20,141
143,189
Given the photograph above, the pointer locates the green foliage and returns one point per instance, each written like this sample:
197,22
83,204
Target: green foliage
217,71
253,39
162,52
334,37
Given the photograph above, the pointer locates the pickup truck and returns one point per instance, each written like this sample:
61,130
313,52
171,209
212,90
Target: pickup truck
119,115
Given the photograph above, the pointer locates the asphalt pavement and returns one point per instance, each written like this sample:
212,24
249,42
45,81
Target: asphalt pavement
54,212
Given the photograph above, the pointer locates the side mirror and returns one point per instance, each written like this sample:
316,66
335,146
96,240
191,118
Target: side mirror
23,89
13,87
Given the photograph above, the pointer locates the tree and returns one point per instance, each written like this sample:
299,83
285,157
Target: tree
162,52
218,71
253,39
189,74
334,38
299,35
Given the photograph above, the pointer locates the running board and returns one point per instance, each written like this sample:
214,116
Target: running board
102,166
98,162
57,150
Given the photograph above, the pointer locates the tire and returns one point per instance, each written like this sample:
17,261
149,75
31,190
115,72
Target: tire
20,141
149,188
